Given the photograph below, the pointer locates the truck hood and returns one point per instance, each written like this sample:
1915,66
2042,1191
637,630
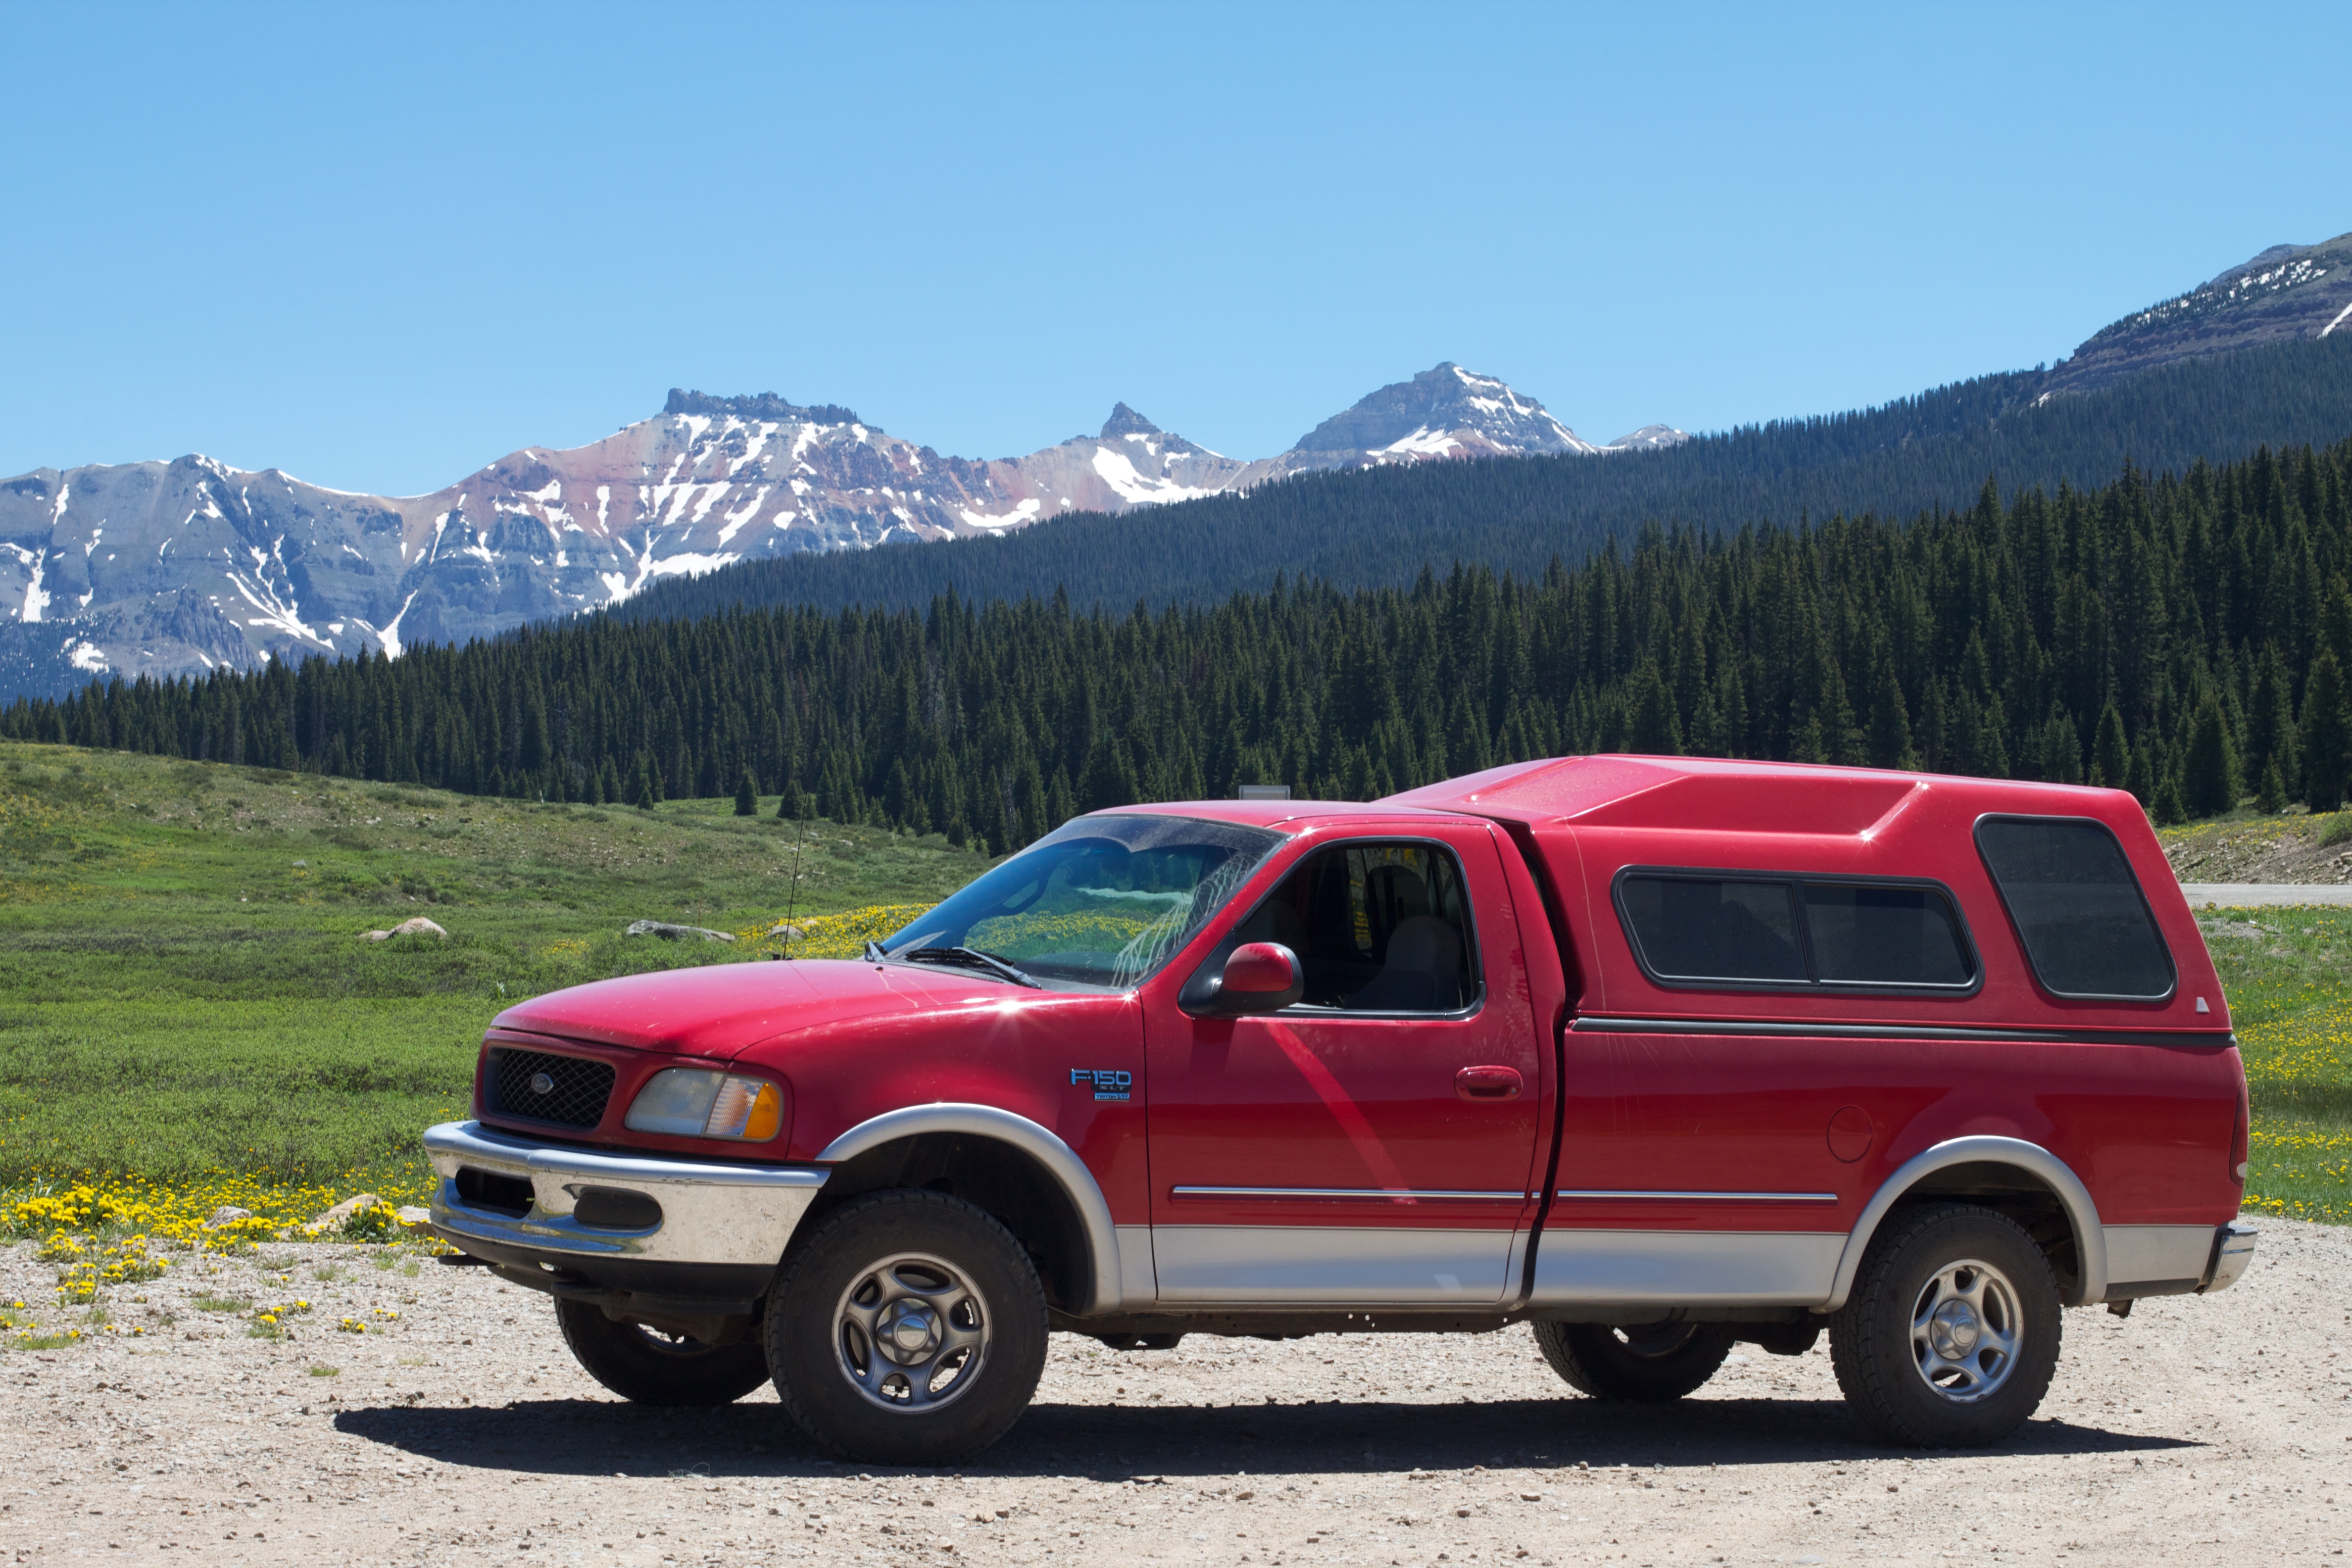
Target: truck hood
719,1011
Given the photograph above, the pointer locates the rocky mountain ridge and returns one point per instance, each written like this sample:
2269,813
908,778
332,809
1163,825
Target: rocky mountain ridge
2287,292
175,568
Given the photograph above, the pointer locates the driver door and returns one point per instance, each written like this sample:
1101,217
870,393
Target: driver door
1372,1144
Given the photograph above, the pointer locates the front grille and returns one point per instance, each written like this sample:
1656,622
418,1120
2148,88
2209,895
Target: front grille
575,1092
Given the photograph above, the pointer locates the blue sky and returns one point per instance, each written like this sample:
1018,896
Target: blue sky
380,246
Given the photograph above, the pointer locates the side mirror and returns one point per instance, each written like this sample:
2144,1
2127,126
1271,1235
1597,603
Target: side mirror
1259,977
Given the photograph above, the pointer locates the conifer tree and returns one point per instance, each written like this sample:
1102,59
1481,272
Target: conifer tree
747,797
2327,734
644,787
2270,799
1652,725
2110,753
1890,722
2209,774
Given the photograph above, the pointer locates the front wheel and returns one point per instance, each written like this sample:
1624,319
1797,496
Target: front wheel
911,1330
1647,1363
1950,1337
650,1367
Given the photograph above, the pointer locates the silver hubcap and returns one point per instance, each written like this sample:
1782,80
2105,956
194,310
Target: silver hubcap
911,1333
1965,1329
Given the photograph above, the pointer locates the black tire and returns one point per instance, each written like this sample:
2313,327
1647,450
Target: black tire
914,1264
1647,1363
649,1367
1965,1372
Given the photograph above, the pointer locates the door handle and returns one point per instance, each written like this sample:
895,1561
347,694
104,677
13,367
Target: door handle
1488,1083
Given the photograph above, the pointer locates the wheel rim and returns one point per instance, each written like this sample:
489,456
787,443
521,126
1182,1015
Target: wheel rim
911,1333
1965,1331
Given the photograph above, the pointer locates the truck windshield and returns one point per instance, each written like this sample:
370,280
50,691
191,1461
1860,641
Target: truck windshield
1101,902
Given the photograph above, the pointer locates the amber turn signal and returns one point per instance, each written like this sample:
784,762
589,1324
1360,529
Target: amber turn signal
747,1108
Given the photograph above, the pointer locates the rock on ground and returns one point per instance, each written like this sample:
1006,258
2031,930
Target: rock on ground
668,932
418,926
2200,1430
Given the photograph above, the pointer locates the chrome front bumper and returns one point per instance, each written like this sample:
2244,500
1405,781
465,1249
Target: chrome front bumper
710,1213
2233,1249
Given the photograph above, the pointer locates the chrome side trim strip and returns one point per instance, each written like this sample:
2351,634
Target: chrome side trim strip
1685,1267
2082,1214
1038,1141
711,1212
1364,1195
1352,1266
1596,1194
1899,1032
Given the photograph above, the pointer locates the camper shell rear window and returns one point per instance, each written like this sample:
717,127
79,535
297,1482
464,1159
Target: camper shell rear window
1692,929
2079,912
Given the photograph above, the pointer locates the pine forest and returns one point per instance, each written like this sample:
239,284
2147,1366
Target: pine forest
2185,636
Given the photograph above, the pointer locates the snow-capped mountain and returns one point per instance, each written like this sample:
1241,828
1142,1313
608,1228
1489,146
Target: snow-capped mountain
177,568
2287,292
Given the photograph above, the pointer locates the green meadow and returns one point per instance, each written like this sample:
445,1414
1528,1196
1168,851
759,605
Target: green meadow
185,989
185,986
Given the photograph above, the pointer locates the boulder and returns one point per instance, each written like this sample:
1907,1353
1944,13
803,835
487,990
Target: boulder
668,932
334,1218
227,1213
419,926
411,1214
783,930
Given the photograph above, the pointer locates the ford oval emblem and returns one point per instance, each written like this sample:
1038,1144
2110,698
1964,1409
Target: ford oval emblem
542,1084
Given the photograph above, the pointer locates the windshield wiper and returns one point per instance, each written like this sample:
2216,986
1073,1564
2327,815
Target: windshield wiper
969,958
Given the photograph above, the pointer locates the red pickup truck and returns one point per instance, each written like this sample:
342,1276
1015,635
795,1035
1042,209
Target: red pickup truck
1655,1055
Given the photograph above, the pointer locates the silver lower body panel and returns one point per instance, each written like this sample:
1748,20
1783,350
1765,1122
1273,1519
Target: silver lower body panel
1686,1267
711,1213
1335,1265
2157,1259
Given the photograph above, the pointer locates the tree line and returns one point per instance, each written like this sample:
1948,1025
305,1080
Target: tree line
1377,526
2185,636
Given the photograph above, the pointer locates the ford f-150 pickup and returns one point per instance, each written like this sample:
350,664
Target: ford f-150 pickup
1655,1055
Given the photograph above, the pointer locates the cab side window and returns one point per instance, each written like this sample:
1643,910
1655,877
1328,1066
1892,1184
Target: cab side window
1377,928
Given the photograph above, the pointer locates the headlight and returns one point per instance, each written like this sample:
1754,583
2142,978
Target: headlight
701,1102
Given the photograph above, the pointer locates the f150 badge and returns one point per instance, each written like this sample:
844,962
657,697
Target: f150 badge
1107,1083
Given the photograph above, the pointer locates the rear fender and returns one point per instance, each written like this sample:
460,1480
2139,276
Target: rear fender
2030,1159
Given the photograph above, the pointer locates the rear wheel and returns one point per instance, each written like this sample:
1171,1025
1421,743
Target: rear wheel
911,1330
651,1367
1952,1335
1647,1362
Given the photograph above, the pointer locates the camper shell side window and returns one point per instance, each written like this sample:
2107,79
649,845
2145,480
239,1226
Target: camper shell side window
1696,928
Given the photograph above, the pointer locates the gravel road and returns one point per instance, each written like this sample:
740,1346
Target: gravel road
2206,1430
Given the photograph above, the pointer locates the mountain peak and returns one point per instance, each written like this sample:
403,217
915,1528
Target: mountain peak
762,407
1125,421
1444,411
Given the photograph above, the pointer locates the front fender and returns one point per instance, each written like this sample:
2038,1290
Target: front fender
1040,1142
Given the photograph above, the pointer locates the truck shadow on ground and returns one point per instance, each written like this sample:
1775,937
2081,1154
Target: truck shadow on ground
755,1440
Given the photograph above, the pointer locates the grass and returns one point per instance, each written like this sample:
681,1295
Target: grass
189,1018
185,991
2286,973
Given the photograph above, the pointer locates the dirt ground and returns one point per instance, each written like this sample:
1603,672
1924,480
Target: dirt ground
2200,1430
2258,849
